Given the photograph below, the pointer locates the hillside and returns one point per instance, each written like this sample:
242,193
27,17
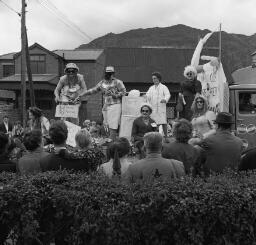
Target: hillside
236,48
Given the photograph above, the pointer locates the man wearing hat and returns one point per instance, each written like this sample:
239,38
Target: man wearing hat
223,149
113,90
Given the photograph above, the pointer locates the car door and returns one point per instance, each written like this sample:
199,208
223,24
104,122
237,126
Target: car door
246,116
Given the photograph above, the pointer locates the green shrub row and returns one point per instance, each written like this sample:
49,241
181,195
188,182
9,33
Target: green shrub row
74,208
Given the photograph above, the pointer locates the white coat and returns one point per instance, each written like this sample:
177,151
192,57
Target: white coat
154,95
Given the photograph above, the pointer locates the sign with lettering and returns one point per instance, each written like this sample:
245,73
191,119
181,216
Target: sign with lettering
67,111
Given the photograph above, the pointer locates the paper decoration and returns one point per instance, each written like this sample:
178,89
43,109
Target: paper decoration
67,111
72,131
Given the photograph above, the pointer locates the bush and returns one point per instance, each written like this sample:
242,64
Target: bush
80,209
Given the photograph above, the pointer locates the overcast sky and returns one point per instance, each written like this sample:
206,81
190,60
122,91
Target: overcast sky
94,18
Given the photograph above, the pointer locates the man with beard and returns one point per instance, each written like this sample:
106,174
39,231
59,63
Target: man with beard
112,89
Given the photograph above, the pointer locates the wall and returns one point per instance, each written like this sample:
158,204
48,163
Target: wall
3,62
52,63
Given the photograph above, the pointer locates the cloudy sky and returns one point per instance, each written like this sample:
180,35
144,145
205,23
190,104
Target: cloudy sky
63,24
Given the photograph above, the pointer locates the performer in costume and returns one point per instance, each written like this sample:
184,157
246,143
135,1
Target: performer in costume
189,89
70,86
113,89
158,96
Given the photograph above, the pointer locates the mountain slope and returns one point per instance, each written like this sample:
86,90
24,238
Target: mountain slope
236,48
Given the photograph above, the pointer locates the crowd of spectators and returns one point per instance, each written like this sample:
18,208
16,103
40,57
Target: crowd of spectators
27,152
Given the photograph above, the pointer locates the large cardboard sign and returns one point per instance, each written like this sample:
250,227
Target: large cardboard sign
67,111
130,111
72,131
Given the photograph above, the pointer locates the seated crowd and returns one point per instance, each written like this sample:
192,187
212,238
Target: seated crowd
29,153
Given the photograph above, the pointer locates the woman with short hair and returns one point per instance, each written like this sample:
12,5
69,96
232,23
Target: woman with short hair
142,125
180,149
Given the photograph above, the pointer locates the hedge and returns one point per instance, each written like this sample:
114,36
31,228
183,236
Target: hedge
74,208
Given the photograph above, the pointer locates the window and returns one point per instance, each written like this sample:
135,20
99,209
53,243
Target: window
38,64
247,102
8,70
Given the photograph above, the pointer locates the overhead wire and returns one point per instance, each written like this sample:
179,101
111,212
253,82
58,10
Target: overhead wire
9,7
64,19
47,2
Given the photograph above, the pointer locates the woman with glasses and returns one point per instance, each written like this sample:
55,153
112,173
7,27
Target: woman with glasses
189,89
69,87
141,126
202,119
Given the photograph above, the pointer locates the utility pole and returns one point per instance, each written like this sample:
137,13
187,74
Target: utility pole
29,72
220,43
23,63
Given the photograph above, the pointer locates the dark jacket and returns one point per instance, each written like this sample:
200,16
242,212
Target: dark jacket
3,128
29,163
183,152
6,165
139,128
88,160
221,150
104,131
153,167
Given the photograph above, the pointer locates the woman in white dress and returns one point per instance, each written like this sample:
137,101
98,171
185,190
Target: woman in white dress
158,96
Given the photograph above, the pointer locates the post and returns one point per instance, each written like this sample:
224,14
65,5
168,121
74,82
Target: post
220,44
29,73
23,64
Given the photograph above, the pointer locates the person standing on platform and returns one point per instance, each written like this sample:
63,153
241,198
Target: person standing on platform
113,90
158,96
70,86
189,89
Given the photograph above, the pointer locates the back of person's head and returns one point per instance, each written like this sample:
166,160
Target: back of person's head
4,142
33,139
58,132
83,138
117,149
182,131
153,141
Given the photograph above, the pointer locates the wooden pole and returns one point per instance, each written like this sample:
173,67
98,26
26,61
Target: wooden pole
23,63
29,72
220,44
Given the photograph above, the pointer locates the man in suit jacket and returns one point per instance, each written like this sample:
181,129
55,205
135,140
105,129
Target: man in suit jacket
154,165
223,149
6,126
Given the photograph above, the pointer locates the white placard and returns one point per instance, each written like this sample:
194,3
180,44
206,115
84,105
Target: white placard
67,111
72,131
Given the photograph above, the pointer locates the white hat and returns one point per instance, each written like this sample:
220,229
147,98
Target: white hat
146,104
189,69
110,69
71,66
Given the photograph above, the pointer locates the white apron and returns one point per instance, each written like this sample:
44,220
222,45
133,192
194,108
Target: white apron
154,95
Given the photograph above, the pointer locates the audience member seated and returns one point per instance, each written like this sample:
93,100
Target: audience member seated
30,162
118,163
84,151
5,163
17,131
60,157
87,124
223,149
180,149
141,126
103,130
248,160
154,165
202,119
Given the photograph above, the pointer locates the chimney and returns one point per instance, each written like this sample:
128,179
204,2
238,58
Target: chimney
253,59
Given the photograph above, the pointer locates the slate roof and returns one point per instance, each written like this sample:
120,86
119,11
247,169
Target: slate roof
50,78
135,65
8,56
91,54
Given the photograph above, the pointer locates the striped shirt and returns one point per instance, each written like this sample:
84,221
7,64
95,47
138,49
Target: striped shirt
115,86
